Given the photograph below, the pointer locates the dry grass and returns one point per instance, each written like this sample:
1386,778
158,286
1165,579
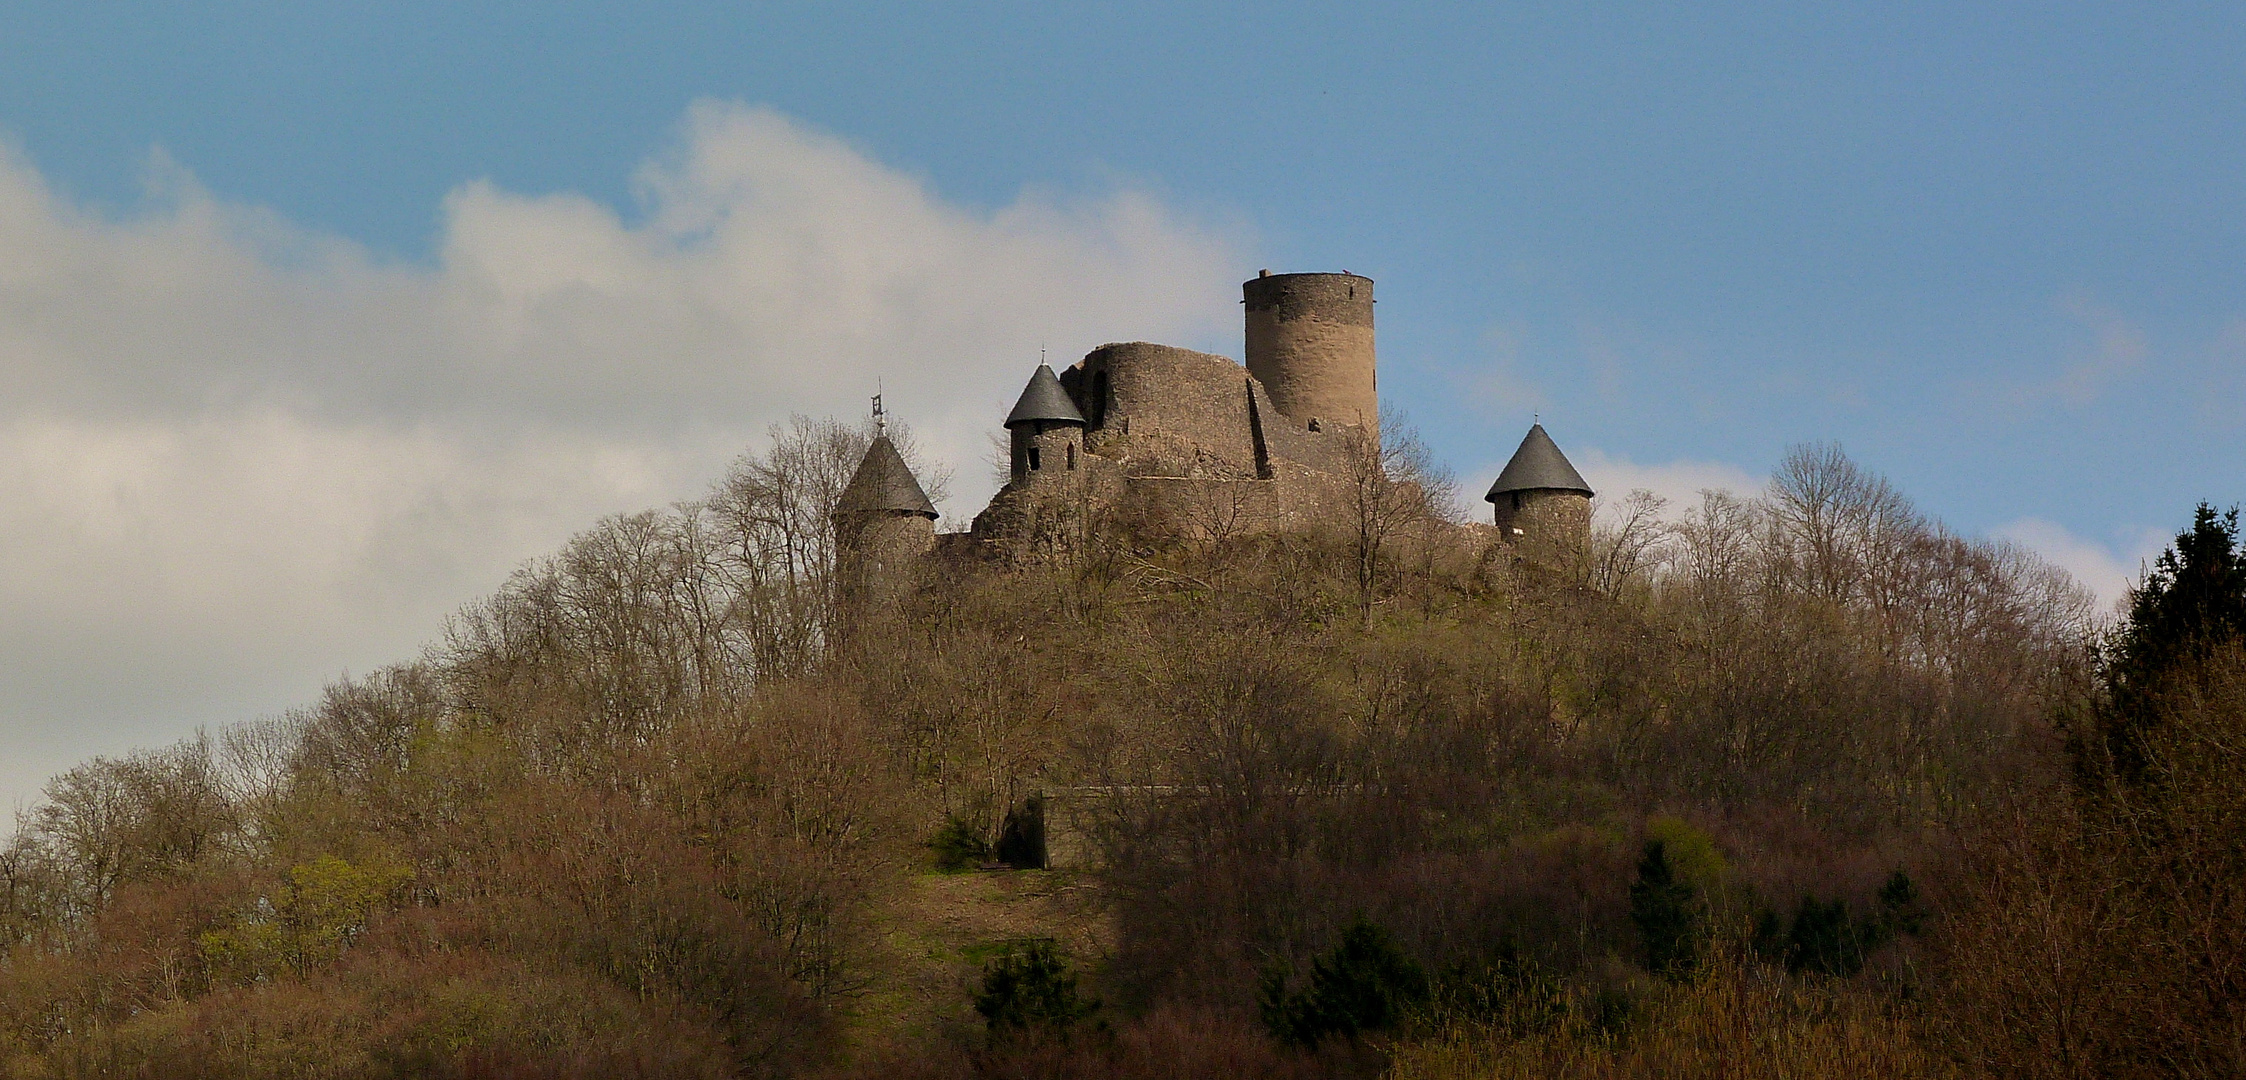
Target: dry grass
936,931
1736,1021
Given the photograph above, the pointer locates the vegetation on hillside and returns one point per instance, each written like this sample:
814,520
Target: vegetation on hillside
1803,784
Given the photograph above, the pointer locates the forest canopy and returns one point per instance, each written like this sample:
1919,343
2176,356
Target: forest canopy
1801,778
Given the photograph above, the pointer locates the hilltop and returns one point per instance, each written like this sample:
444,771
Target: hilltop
1788,782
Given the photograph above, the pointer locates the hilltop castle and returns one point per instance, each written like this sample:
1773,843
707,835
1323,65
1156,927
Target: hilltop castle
1197,441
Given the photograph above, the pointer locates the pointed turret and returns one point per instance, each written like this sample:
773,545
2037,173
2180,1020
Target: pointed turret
883,523
1044,399
1539,492
1538,465
1046,429
884,483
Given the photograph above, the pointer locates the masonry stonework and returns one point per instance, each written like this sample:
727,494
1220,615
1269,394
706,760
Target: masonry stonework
1542,513
1201,445
1310,342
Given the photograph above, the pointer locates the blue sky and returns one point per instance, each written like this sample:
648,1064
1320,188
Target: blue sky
1991,249
1695,231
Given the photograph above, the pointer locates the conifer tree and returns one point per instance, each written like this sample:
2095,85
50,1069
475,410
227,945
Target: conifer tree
1665,913
2192,602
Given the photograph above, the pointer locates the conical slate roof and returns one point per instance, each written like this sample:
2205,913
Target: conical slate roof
1044,399
883,482
1537,466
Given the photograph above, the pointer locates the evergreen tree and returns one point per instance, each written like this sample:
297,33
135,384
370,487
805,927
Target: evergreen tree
1825,940
1666,912
2192,602
1364,984
1030,987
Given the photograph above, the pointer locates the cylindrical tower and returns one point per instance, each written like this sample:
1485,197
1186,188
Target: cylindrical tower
1046,428
1310,343
883,524
1539,494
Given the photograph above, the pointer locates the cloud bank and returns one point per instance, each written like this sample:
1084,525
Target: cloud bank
2106,570
238,457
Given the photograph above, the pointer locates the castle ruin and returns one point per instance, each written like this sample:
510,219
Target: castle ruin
1205,444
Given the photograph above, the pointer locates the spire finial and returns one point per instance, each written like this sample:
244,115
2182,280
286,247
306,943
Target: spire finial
880,418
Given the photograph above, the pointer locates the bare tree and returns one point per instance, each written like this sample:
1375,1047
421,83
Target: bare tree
1621,552
1832,517
775,517
1391,484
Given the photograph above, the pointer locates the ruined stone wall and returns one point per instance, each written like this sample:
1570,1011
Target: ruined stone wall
1183,412
1029,521
1310,342
1281,441
1193,443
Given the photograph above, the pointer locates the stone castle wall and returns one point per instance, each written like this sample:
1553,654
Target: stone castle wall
1058,447
1183,412
879,550
1199,445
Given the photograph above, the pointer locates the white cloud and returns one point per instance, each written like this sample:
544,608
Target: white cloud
238,456
2107,571
1680,482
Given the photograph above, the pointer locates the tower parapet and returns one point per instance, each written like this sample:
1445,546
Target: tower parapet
1310,343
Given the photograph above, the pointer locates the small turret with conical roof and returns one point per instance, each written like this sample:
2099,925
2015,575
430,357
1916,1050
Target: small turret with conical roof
883,522
1046,430
884,484
1540,494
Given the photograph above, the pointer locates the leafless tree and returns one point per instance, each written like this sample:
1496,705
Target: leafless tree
1633,543
1391,483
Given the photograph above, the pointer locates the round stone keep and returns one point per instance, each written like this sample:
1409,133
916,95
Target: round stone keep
1310,343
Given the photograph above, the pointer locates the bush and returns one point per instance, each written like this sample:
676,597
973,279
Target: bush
1734,1020
1509,995
1365,984
1825,940
958,847
1029,987
1666,912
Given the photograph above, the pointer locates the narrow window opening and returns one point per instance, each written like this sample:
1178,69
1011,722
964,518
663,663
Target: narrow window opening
1033,459
1099,398
1072,455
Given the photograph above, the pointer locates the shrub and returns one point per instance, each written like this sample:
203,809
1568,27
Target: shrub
1825,940
1029,987
1666,912
1364,984
958,847
1509,994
